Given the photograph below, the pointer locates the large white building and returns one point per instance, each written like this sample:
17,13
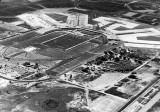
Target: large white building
54,19
130,32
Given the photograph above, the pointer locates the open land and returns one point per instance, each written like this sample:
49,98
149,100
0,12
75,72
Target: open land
79,56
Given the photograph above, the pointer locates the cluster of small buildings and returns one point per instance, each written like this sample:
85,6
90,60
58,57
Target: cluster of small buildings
119,59
21,71
109,72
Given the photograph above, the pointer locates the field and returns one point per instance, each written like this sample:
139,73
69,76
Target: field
89,32
31,39
54,40
19,39
9,19
34,6
74,63
58,46
155,107
104,6
65,42
149,38
15,11
57,5
107,104
36,101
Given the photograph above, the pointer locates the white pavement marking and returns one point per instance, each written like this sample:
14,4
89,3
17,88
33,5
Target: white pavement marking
83,42
54,38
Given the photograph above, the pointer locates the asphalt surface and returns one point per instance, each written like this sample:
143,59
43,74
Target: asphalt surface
137,96
150,103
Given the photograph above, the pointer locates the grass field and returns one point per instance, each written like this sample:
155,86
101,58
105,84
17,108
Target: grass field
57,5
65,42
19,39
15,11
103,6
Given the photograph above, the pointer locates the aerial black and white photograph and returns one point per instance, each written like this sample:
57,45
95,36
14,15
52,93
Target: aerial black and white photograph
79,55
